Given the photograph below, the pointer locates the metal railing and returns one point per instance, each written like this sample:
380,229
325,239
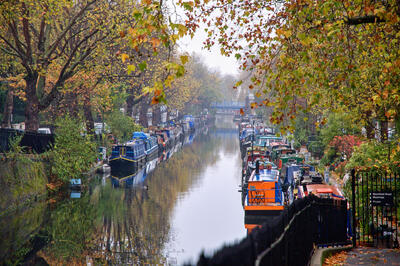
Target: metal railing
33,142
375,199
290,238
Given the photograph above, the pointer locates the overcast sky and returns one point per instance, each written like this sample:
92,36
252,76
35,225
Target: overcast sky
213,58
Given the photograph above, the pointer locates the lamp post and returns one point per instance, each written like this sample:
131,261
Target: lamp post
252,142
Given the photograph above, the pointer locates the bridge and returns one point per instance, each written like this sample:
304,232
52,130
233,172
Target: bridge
227,107
230,105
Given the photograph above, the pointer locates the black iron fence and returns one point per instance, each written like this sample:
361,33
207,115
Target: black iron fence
33,142
289,239
375,197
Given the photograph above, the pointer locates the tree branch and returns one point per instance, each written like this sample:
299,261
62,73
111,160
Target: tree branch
66,29
364,20
27,35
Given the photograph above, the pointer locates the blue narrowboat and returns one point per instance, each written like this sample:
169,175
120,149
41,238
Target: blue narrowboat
150,142
190,120
128,157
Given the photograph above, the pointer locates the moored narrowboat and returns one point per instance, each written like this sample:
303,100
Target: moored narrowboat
150,142
126,158
264,198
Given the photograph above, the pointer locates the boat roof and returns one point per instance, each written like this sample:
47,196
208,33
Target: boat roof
139,135
323,188
268,137
265,175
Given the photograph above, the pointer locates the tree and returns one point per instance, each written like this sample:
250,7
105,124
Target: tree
51,35
337,55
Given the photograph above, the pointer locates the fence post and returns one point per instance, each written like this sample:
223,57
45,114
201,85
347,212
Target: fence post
353,203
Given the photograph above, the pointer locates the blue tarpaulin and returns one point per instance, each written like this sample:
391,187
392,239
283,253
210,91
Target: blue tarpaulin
139,135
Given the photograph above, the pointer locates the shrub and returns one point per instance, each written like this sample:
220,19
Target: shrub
370,154
122,126
73,153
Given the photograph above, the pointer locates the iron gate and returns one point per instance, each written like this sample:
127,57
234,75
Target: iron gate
375,197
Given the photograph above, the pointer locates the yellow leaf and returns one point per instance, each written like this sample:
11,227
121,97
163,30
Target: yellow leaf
287,33
184,59
131,68
124,57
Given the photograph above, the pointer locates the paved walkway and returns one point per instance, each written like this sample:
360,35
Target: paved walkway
372,256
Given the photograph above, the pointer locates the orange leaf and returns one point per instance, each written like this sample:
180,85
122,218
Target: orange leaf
155,100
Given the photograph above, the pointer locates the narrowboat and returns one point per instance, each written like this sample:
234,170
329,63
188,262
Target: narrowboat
267,140
320,190
264,198
126,158
150,142
246,133
289,159
170,137
191,121
162,139
291,175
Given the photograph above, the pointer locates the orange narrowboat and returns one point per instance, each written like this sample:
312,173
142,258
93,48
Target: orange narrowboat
264,199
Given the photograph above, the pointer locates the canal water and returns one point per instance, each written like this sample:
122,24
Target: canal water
181,204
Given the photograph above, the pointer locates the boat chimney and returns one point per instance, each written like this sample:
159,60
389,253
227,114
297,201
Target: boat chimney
258,167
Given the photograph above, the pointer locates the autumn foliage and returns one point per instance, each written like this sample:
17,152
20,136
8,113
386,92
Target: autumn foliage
344,145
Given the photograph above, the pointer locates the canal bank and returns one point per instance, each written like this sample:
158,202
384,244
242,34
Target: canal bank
22,181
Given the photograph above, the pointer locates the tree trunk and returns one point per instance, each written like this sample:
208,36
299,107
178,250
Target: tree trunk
370,128
156,114
129,106
71,103
384,130
87,109
143,113
32,105
397,123
8,109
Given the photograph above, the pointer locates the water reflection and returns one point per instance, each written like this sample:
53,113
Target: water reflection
147,217
16,231
209,213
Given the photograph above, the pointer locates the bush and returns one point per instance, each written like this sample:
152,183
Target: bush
122,126
73,153
372,154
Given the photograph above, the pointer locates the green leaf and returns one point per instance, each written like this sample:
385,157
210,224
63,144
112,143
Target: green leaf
143,65
137,15
188,6
180,71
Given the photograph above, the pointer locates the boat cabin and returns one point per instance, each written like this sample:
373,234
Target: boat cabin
264,190
320,190
267,140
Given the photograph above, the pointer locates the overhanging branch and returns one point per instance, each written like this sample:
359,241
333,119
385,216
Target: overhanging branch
364,20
